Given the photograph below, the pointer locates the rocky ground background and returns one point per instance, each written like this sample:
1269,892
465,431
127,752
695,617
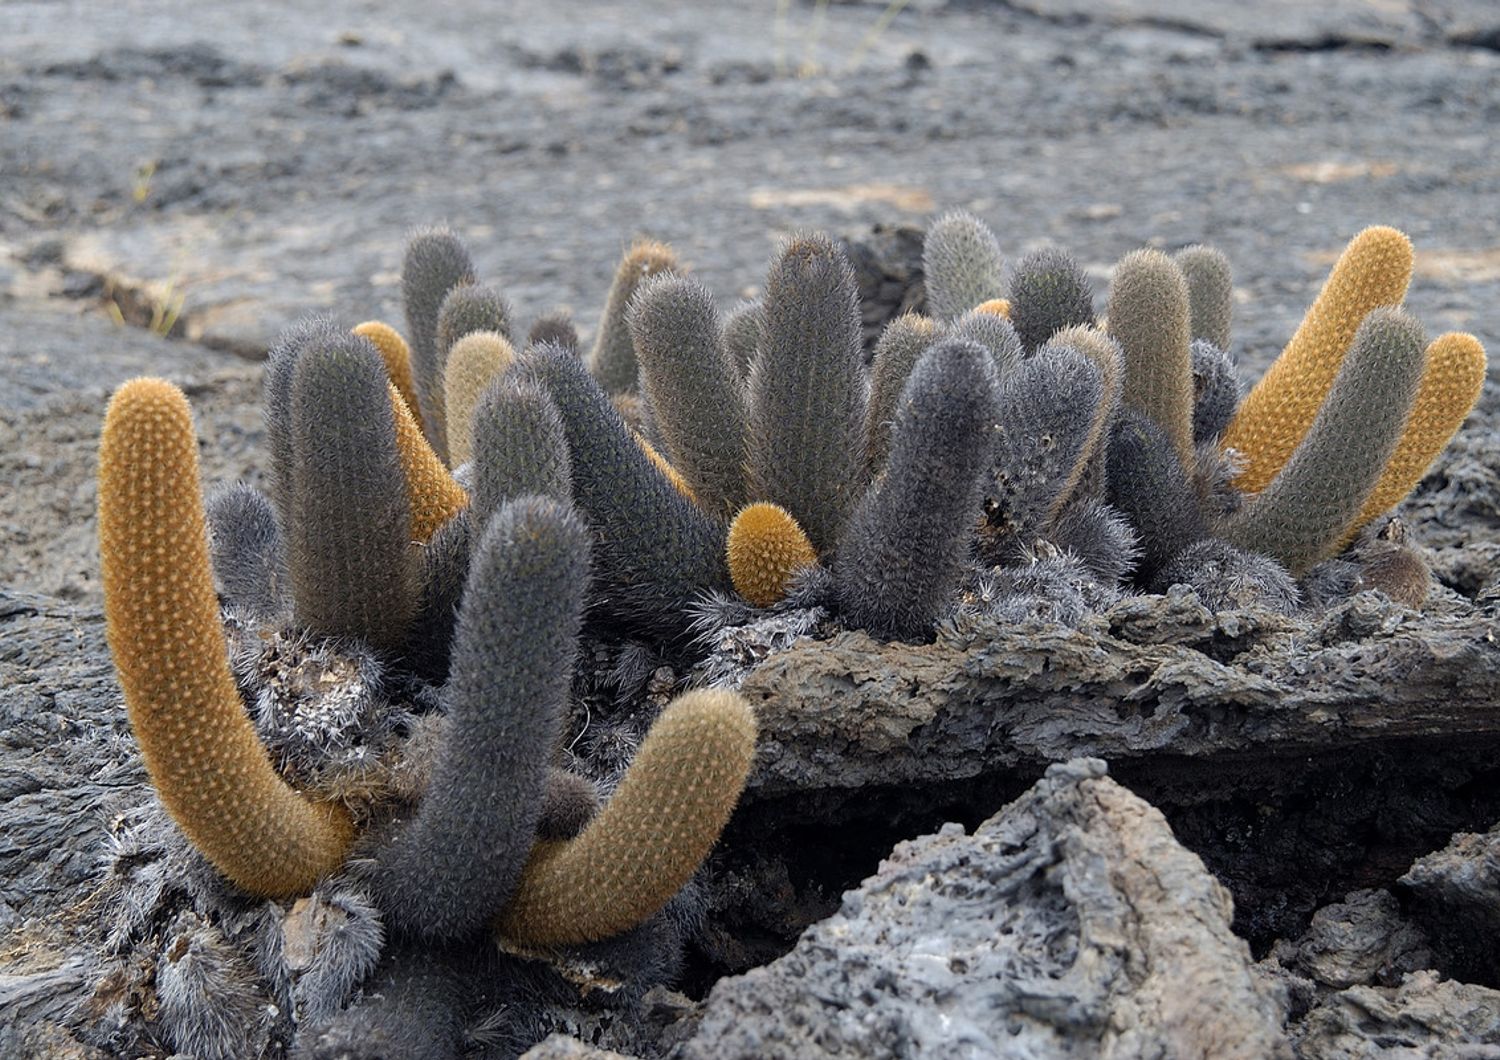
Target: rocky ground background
1294,848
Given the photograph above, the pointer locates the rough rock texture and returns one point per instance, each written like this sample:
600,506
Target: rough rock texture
1361,985
888,270
1150,674
1362,940
1423,1017
1069,924
1455,894
1302,757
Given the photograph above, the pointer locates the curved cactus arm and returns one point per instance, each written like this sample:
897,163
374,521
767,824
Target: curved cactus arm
1107,356
445,569
655,552
162,621
995,333
1275,416
1301,516
1452,377
569,803
281,363
651,836
432,493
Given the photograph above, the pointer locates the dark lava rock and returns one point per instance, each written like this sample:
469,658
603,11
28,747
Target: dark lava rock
1455,894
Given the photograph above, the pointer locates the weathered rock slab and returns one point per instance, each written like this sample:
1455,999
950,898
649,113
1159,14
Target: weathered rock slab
1070,924
1424,1017
1150,677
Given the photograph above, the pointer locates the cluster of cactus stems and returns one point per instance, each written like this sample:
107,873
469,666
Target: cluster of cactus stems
1122,440
465,505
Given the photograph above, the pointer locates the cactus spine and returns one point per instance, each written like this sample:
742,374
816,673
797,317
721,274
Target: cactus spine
162,621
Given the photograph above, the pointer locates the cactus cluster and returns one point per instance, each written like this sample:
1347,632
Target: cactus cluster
1120,440
358,688
362,680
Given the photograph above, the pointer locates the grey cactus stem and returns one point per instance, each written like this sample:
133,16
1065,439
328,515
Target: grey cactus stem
805,428
962,265
435,263
1148,317
352,562
906,543
1048,292
694,392
1210,293
1300,517
457,861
